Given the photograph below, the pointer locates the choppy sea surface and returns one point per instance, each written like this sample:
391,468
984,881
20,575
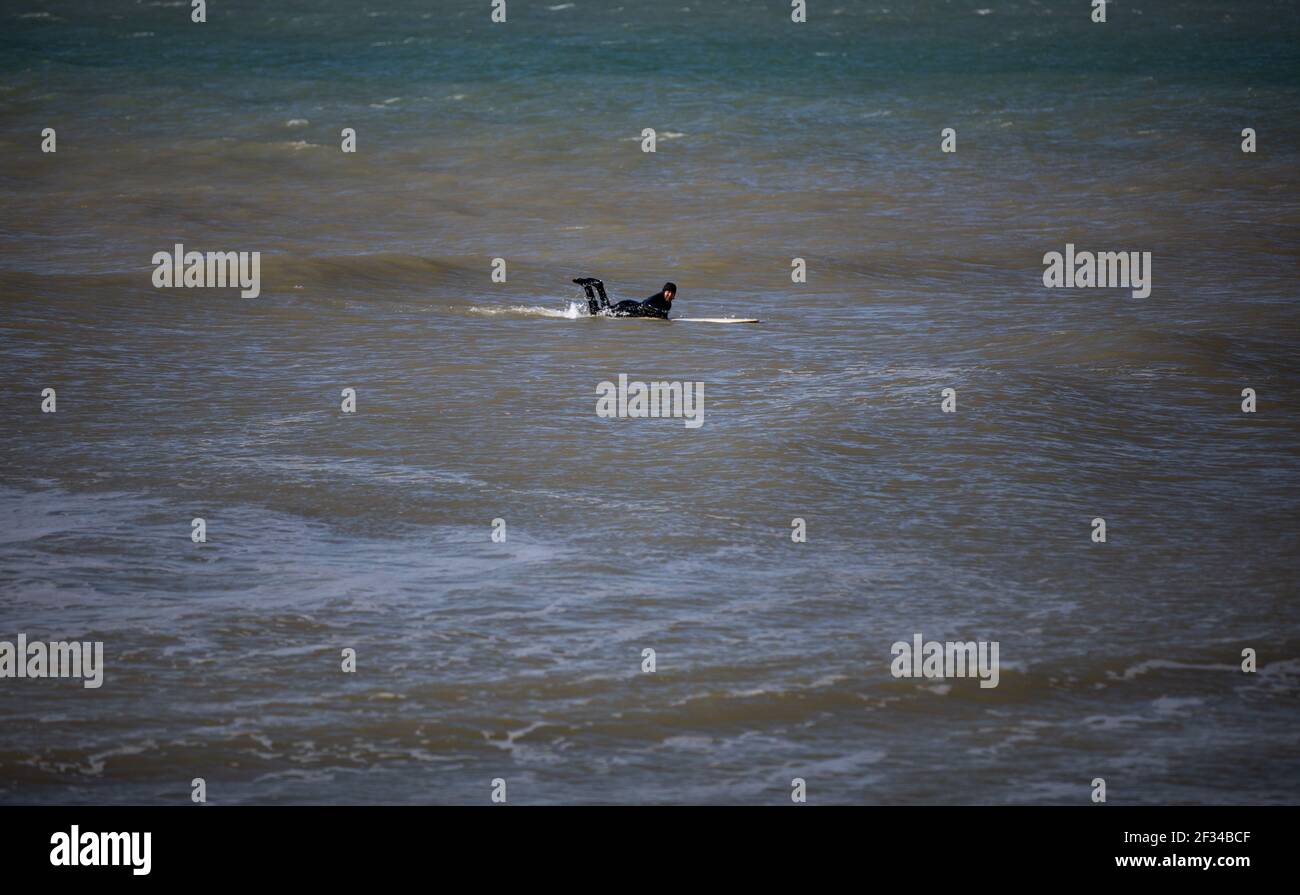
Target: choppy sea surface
476,401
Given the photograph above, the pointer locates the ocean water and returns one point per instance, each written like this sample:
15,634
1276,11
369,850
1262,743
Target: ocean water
476,401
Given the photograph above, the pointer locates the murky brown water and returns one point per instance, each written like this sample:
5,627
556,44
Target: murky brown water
476,401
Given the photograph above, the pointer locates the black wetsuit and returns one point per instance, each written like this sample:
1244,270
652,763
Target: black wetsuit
656,305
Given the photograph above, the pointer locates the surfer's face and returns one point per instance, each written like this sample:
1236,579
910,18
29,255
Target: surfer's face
668,295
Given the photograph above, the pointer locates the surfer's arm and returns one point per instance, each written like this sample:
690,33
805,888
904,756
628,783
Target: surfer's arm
655,306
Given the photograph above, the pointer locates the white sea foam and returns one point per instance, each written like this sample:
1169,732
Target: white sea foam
666,135
572,312
1163,664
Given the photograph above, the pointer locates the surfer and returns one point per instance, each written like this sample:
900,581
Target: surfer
657,305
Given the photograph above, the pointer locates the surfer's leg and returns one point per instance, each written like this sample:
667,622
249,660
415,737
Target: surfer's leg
604,299
585,282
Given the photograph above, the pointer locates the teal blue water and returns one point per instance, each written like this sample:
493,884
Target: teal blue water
476,401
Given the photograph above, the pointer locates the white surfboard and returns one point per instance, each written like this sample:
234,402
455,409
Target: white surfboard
715,319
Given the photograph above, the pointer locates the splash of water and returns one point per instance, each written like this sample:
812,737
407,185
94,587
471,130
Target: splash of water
572,312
